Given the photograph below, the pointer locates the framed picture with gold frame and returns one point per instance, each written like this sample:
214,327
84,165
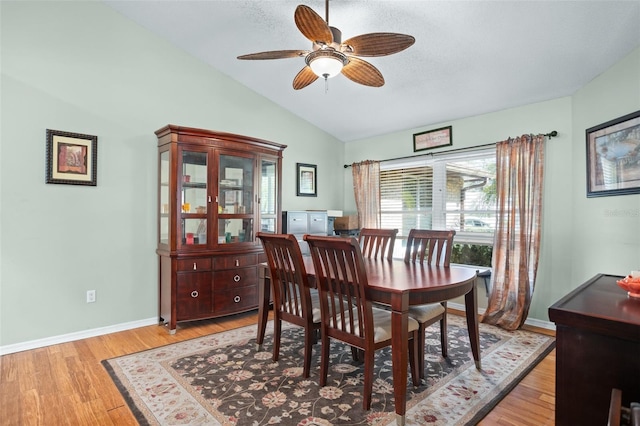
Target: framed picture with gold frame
71,158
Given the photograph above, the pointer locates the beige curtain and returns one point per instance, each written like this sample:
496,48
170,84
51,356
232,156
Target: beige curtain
366,187
519,178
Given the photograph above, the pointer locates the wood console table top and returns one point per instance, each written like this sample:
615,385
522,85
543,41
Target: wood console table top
600,306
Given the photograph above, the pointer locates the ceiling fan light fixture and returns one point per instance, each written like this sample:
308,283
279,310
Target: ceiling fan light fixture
326,63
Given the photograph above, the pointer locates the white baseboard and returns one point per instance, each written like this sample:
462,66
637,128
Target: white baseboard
529,321
64,338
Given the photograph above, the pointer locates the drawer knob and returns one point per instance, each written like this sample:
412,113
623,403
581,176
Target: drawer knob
236,278
236,299
194,294
195,266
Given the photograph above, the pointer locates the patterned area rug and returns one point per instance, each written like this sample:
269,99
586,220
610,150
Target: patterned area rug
222,379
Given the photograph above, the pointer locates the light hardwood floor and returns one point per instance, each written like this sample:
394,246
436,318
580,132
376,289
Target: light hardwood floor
66,384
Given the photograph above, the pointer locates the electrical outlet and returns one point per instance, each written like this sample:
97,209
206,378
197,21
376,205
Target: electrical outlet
91,296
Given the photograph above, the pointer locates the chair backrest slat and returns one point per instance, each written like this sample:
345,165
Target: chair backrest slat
377,243
429,246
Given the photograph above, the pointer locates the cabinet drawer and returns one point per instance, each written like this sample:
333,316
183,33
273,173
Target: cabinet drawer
196,264
235,300
231,262
318,223
297,223
235,278
193,298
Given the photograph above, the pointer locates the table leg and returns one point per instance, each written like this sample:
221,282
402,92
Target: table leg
399,356
264,294
471,309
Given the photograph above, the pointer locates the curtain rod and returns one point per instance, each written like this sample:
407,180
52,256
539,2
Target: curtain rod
550,135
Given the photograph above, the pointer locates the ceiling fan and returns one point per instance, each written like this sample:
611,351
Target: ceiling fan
330,56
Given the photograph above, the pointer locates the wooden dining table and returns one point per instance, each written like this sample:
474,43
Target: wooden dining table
400,285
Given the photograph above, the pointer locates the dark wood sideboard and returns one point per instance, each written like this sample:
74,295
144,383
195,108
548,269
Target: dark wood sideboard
597,349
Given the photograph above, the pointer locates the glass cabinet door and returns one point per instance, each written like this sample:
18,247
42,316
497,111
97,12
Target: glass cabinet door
164,200
192,181
268,196
235,199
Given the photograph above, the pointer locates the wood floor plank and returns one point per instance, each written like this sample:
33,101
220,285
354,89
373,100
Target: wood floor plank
531,402
67,383
11,396
122,416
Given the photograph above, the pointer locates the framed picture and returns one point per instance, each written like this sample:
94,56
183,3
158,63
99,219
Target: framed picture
613,157
71,158
432,139
306,180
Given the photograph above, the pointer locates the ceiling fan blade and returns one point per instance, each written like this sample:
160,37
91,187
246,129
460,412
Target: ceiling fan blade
304,78
378,44
362,72
312,26
275,54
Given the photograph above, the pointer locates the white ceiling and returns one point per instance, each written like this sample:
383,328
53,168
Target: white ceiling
469,58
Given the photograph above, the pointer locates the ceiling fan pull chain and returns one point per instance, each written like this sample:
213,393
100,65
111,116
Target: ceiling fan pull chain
326,84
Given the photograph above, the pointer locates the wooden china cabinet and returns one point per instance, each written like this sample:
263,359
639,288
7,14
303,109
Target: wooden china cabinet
215,192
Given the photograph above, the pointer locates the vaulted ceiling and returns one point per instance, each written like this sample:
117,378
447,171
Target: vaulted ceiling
469,57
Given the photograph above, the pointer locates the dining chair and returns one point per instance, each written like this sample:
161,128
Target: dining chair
294,300
347,313
429,247
377,243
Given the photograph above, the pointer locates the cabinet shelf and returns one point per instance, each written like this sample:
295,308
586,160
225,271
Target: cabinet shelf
232,188
194,185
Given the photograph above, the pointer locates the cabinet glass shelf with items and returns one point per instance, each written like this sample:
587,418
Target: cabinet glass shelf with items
236,199
238,230
194,197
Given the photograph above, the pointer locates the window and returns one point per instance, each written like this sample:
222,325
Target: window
446,191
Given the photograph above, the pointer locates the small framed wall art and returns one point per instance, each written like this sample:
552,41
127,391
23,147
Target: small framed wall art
432,139
613,157
71,158
306,180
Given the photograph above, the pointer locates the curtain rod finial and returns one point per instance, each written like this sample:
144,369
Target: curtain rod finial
552,134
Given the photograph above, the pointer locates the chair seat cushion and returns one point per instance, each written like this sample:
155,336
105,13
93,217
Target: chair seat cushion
424,313
382,324
315,306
